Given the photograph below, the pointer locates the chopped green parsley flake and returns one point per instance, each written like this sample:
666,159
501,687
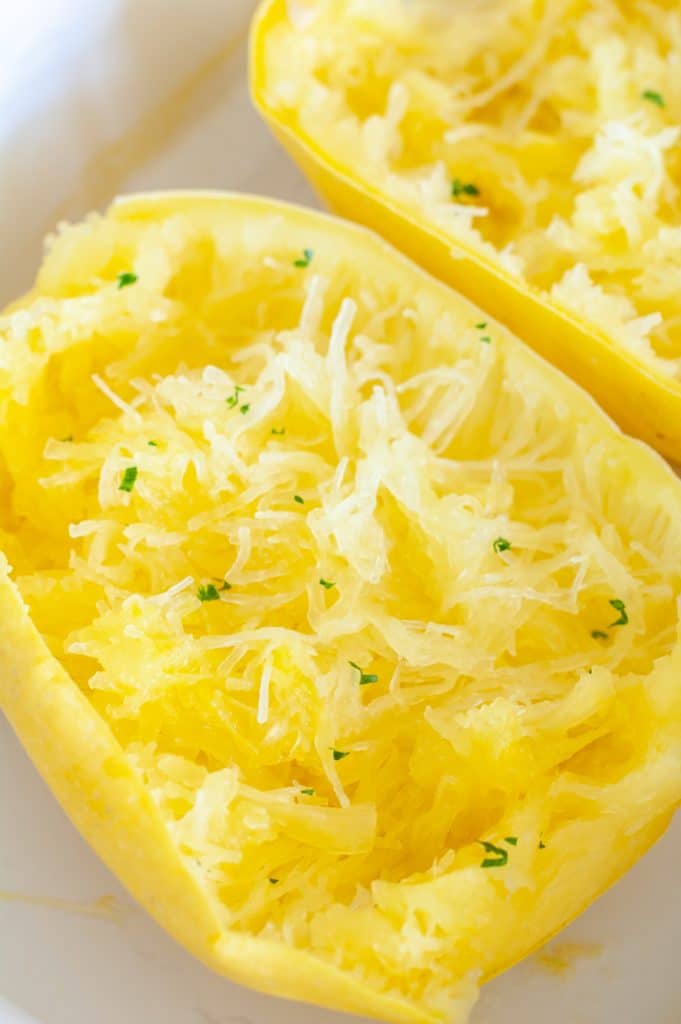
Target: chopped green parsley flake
464,188
498,858
305,260
308,792
125,279
511,840
620,607
278,432
244,409
501,544
338,755
273,881
653,97
542,845
234,399
364,677
598,634
481,326
69,437
153,444
224,584
301,501
129,478
327,584
208,592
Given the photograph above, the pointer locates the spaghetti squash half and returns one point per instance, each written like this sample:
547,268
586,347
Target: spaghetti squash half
344,627
526,152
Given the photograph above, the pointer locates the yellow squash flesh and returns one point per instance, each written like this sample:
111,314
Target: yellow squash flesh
508,581
645,400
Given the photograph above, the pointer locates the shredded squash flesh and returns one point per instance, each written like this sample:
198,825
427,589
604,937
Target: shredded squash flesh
541,133
380,607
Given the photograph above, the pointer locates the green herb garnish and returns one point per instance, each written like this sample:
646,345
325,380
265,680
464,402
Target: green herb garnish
542,845
129,478
620,607
501,544
225,584
485,339
653,97
273,881
481,326
498,859
278,432
598,634
301,501
327,584
511,840
208,592
153,444
244,409
364,677
338,755
305,260
308,792
464,188
125,279
69,437
234,399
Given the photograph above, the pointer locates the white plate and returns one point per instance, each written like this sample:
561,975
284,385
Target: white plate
98,98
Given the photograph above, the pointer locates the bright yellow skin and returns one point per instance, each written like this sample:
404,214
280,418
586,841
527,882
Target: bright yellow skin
646,403
71,733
